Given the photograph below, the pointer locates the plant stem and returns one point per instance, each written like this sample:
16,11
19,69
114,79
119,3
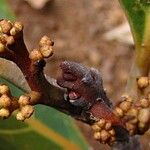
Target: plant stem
141,64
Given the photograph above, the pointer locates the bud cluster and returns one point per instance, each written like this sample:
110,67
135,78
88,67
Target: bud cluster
8,33
45,49
25,110
5,101
103,131
136,114
8,104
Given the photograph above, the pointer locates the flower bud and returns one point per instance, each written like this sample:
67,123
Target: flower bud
112,132
18,26
20,117
4,89
97,135
5,101
46,51
101,123
108,126
4,113
10,40
13,31
27,111
142,82
24,100
96,128
6,26
35,55
104,135
144,103
144,115
118,112
46,41
125,105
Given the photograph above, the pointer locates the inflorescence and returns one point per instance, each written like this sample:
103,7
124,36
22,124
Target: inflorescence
135,115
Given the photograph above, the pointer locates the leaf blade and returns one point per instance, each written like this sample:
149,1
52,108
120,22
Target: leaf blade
70,138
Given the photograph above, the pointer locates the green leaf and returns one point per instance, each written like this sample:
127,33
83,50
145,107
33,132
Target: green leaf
5,11
47,129
12,73
138,14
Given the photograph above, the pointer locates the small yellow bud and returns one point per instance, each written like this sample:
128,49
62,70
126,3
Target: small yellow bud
46,41
4,113
125,105
144,103
142,82
6,26
20,117
18,26
27,111
4,89
132,113
112,132
46,51
5,101
24,100
105,135
96,128
35,55
13,31
118,112
144,115
101,123
10,40
97,135
108,126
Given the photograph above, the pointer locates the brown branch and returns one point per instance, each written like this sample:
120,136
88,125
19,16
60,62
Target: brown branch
92,103
32,65
80,92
